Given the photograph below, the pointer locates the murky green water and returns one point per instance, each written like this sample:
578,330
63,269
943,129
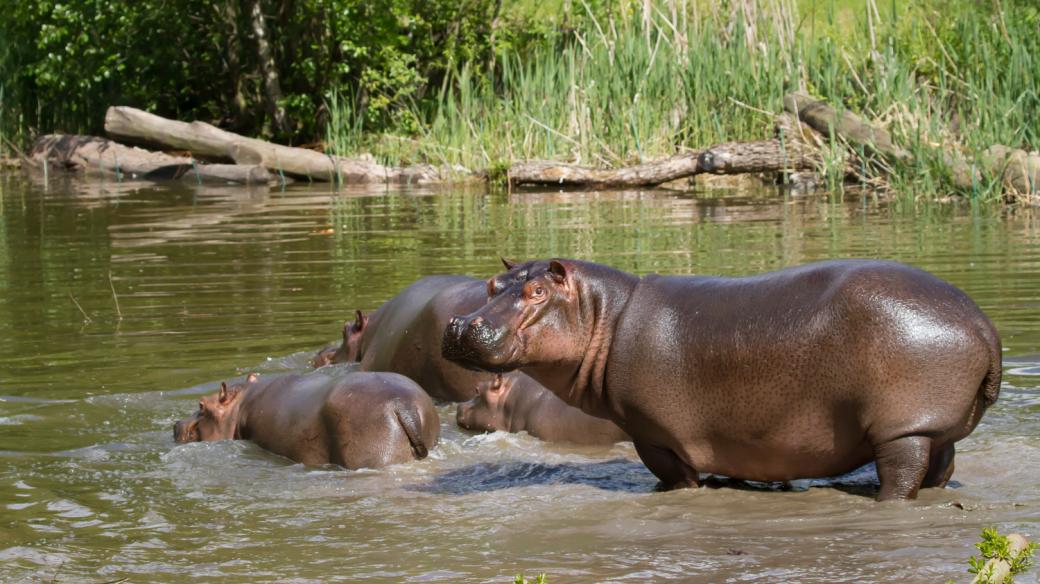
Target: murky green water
215,282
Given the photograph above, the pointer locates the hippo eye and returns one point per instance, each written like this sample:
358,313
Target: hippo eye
538,291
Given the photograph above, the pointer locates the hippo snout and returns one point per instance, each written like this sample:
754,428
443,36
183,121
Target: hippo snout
186,431
462,414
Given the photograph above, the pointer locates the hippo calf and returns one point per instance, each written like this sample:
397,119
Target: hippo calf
360,420
514,402
811,371
349,349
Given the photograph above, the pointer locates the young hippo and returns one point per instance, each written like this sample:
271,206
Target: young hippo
514,403
360,420
349,349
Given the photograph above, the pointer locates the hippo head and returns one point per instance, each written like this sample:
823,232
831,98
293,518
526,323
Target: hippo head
216,417
532,318
490,410
350,350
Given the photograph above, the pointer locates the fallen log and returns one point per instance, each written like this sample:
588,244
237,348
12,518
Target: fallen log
1016,168
209,142
727,158
828,121
90,154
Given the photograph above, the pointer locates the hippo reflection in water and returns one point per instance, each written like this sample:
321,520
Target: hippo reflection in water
805,372
360,420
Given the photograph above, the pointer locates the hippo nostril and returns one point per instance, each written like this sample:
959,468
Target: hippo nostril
456,323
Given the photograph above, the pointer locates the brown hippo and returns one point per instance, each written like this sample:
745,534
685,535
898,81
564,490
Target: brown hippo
359,420
810,371
404,336
513,402
348,350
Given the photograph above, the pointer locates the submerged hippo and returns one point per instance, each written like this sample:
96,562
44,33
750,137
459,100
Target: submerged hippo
514,402
811,371
360,420
348,350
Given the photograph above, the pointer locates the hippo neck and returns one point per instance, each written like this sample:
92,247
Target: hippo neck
603,296
238,417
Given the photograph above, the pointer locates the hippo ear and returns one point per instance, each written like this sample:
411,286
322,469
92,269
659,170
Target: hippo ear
509,264
360,321
558,271
223,396
252,377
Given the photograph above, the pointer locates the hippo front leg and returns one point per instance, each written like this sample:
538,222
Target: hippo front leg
901,466
667,466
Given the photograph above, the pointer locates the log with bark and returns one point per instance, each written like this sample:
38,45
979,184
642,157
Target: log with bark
91,155
208,142
727,158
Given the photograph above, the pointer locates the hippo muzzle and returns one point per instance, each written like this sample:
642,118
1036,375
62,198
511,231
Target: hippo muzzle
472,342
186,430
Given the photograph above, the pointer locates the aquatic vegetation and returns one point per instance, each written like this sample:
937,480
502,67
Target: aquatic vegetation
995,546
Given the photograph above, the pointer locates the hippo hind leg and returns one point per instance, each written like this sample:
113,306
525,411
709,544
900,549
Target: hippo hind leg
901,466
667,466
940,467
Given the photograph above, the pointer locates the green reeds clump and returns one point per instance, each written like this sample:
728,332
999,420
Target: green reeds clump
944,78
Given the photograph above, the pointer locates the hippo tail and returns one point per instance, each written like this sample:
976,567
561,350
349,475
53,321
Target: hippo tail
990,388
411,422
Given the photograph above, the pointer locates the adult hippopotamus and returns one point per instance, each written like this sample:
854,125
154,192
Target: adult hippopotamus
404,336
349,348
513,402
810,371
359,420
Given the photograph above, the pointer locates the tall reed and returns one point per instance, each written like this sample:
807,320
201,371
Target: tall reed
941,76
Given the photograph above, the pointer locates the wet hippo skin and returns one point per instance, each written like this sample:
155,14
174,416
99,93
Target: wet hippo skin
513,402
360,420
810,371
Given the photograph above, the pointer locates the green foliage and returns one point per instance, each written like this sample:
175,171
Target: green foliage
540,579
484,83
996,546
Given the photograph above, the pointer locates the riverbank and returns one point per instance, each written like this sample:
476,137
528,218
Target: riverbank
625,83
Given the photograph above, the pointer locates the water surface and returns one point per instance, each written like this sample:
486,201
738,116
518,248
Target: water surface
180,288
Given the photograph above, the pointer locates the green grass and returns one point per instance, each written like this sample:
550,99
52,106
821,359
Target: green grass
940,76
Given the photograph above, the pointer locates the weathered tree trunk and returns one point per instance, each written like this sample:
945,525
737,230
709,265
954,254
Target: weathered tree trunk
728,158
89,154
268,69
208,142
